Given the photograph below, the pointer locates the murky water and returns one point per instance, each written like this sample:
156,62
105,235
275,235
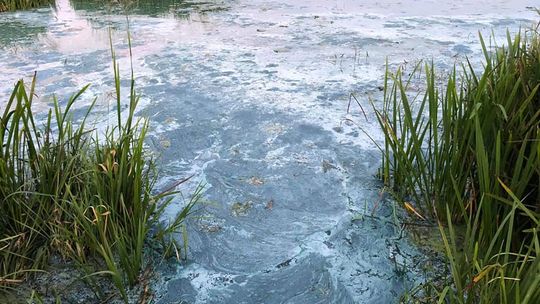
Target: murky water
251,96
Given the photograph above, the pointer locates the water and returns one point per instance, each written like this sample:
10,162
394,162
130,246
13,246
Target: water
251,97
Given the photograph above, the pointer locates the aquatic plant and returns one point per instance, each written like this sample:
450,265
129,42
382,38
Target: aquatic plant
11,5
177,8
467,154
66,192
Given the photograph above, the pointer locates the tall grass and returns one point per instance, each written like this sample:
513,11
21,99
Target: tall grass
11,5
64,191
468,153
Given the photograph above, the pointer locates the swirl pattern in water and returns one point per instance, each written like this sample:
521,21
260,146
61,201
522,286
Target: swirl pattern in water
251,96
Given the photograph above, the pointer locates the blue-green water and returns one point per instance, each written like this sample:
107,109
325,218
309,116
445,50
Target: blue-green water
251,97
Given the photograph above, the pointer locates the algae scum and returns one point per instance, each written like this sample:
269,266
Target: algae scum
251,97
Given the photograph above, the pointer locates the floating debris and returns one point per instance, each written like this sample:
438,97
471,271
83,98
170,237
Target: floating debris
165,143
285,263
327,166
241,209
269,205
210,224
255,181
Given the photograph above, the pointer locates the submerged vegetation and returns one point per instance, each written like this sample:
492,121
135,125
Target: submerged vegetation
67,193
467,154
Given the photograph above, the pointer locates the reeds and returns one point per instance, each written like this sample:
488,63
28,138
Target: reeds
468,153
11,5
66,192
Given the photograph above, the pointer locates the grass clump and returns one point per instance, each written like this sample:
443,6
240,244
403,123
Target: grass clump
11,5
467,154
65,192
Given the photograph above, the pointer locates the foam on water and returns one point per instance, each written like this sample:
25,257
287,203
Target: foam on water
251,98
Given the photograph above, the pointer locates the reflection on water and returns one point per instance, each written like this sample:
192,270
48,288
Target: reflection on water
76,32
73,33
155,8
16,31
253,101
74,28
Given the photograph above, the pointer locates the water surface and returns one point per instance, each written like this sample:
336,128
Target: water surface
252,97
